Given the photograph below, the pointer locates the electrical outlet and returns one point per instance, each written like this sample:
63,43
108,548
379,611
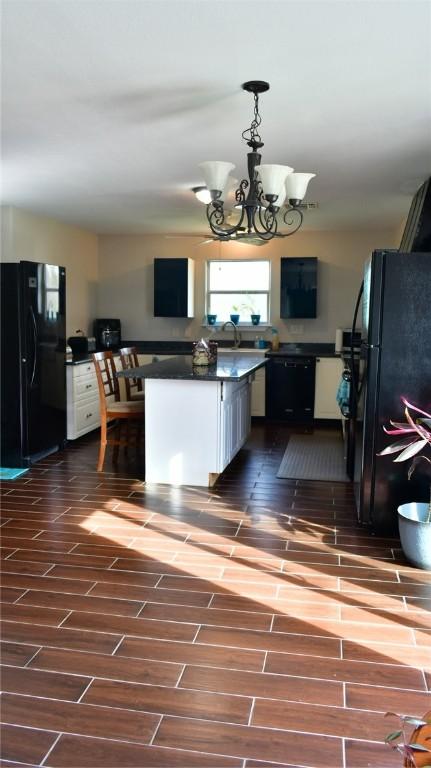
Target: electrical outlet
295,328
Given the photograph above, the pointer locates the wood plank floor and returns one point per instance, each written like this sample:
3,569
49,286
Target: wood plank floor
253,624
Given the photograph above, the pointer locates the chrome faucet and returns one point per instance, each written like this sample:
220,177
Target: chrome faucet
236,333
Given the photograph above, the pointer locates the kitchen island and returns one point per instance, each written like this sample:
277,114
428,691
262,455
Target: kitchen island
196,418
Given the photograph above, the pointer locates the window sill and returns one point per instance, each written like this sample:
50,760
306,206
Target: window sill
240,326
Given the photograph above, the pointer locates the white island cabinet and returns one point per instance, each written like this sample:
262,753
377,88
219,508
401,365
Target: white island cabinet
196,420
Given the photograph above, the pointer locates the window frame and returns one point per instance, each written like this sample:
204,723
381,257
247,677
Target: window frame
267,293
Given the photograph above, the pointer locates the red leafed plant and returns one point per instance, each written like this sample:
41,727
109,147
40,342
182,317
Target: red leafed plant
416,750
419,438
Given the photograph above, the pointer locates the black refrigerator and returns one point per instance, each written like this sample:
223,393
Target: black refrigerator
394,361
33,374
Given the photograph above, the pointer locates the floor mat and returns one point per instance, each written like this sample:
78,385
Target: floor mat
11,474
314,457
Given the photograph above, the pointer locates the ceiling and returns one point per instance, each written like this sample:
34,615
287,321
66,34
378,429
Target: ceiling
109,106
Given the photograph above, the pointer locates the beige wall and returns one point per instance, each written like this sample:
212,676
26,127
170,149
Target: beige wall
126,280
29,237
112,276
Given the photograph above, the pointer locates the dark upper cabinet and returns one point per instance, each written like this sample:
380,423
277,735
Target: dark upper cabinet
173,288
298,287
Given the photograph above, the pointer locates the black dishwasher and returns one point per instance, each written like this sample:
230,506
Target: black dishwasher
290,388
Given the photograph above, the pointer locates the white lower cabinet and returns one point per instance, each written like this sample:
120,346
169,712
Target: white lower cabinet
328,375
83,412
258,393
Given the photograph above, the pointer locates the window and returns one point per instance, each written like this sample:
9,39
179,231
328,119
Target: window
238,287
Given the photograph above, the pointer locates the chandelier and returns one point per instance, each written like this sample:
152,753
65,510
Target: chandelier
260,197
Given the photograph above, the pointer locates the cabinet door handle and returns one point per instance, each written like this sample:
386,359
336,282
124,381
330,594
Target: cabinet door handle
88,415
88,386
317,359
289,410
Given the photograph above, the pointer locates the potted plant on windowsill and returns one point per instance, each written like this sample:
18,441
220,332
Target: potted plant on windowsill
249,306
235,314
414,518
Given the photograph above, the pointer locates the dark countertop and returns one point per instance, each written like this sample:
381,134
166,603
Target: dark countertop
185,348
304,350
80,359
228,368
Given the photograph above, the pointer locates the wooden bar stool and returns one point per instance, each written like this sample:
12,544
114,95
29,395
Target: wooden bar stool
129,360
112,408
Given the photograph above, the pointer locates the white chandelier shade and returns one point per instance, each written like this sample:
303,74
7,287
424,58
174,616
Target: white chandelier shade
273,177
296,185
204,195
215,173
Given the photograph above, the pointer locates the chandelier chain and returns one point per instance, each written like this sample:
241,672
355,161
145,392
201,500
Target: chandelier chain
252,134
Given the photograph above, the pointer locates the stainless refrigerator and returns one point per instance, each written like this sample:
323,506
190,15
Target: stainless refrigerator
394,360
33,376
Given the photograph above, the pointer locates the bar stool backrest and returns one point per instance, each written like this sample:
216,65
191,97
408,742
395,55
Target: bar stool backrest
107,380
129,359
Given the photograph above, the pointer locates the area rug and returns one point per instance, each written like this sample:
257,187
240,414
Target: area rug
11,474
314,457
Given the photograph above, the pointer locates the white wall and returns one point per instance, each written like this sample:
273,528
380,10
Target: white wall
29,237
126,280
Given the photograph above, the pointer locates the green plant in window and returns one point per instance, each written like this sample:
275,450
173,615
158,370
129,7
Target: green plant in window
249,304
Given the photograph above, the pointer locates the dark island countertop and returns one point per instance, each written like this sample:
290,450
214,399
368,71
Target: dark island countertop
227,368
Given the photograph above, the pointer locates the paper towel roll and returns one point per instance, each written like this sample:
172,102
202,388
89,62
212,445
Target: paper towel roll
339,340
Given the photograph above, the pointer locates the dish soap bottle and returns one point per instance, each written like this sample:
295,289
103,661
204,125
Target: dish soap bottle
275,341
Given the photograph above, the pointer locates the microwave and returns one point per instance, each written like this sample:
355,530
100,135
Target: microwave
343,340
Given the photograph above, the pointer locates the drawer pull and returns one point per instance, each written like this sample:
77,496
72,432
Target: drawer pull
88,386
88,415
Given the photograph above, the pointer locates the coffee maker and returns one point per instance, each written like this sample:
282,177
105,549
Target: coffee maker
108,333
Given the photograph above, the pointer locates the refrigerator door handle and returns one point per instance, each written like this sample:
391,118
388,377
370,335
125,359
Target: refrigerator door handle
356,388
35,345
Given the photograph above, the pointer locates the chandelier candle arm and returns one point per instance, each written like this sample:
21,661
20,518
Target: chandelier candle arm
267,186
